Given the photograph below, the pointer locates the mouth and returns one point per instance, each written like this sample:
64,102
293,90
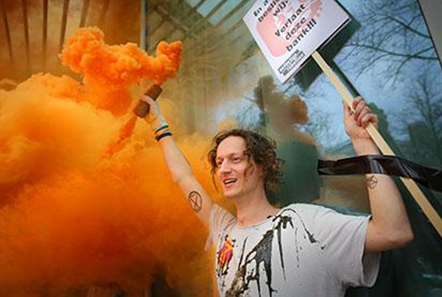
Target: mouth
229,181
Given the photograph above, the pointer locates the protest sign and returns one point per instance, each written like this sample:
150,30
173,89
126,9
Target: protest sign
289,31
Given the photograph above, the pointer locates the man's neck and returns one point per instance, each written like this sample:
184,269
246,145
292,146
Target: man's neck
253,209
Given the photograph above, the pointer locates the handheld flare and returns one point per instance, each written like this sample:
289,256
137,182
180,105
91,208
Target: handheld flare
142,108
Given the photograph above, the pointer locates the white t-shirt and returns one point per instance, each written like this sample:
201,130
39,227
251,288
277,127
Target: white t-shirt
303,250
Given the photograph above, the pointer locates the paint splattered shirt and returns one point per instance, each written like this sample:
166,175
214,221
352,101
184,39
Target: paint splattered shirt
303,250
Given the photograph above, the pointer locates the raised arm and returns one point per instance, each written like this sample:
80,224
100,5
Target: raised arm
389,226
179,167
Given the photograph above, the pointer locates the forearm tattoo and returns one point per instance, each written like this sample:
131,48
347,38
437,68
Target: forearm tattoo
195,200
372,181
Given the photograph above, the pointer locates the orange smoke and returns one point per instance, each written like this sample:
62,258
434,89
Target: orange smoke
70,219
108,70
118,66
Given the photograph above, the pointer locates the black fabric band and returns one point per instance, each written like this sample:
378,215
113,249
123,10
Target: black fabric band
164,134
161,128
389,165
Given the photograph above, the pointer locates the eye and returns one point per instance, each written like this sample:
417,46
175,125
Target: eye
236,159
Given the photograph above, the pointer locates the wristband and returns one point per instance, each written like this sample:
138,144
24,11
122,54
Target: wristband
165,126
167,133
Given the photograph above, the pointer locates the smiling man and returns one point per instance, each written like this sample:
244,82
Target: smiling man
301,249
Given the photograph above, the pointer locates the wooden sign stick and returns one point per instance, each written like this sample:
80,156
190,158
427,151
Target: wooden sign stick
410,184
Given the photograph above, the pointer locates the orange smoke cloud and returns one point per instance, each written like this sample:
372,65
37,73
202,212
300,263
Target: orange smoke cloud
70,219
118,66
108,70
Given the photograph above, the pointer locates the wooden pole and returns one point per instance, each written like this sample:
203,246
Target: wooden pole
84,13
45,32
410,184
143,25
64,21
8,32
26,27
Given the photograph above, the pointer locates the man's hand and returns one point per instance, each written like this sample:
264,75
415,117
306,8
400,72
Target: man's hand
155,118
355,124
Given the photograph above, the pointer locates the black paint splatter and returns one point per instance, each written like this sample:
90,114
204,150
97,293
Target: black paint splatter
262,254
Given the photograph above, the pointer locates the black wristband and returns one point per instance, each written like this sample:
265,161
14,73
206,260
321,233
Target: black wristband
161,128
167,133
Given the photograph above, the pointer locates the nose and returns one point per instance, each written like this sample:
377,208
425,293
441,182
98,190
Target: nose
224,167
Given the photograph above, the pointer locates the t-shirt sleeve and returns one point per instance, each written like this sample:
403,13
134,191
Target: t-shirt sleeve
342,240
219,220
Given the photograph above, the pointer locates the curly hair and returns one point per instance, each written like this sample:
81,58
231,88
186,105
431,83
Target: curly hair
261,149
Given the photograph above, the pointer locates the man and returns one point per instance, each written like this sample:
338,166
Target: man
301,249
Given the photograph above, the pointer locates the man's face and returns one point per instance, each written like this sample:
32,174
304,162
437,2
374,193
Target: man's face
238,174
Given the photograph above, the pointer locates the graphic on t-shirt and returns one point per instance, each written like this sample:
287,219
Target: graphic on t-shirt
261,254
224,256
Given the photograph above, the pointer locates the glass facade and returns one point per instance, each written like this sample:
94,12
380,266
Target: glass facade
386,55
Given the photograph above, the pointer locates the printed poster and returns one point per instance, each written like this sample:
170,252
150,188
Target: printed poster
289,31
